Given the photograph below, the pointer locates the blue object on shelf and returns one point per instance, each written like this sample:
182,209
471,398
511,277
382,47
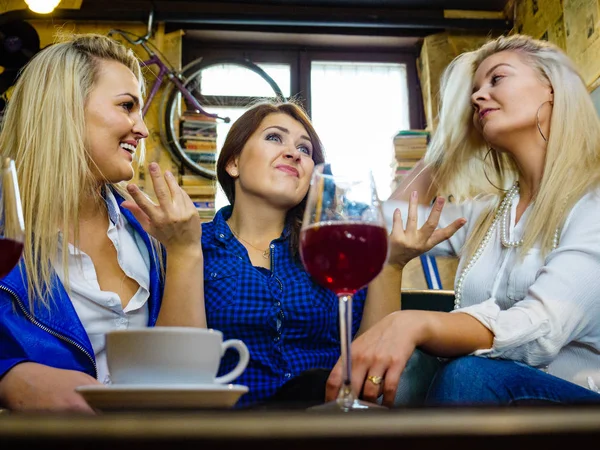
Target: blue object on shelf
430,269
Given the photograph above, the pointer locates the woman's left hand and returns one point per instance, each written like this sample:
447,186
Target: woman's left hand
379,356
174,221
406,244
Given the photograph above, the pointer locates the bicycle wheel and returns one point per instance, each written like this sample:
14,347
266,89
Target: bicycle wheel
191,137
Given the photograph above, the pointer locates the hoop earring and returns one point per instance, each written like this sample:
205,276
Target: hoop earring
486,175
537,119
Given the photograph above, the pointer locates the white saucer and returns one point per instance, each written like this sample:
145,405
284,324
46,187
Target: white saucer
146,396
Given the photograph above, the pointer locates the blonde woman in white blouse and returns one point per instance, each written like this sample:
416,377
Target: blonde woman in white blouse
518,148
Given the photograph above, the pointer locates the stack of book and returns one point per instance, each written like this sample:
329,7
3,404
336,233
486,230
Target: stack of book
199,138
409,147
202,192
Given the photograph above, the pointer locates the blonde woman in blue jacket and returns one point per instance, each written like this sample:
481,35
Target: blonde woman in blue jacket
98,254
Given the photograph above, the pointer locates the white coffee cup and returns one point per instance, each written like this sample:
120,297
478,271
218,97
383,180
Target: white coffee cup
170,355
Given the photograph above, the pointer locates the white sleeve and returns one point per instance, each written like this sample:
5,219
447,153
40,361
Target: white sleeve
563,303
469,210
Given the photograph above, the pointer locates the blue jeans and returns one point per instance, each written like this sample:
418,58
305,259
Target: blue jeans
415,379
473,380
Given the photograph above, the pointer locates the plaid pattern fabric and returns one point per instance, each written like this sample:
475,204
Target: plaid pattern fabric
288,322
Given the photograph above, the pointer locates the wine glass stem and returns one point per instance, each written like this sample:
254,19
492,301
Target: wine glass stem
345,396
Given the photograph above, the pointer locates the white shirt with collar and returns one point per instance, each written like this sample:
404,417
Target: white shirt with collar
543,310
101,311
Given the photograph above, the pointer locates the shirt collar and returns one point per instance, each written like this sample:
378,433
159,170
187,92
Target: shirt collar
114,213
223,232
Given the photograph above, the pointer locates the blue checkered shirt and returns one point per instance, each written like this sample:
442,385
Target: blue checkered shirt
288,322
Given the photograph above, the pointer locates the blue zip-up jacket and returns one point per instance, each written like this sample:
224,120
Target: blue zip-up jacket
55,336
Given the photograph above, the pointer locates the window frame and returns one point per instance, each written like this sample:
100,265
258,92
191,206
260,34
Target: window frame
300,57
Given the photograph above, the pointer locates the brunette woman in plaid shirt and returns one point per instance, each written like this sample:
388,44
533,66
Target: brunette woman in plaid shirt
256,288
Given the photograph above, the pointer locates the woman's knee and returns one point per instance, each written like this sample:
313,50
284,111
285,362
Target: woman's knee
469,379
416,379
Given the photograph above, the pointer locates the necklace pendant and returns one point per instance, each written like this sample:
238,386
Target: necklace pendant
266,254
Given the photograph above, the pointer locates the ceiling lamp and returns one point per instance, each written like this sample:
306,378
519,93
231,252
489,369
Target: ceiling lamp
42,6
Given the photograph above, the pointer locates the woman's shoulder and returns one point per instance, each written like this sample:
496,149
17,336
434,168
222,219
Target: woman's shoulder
216,231
584,217
588,204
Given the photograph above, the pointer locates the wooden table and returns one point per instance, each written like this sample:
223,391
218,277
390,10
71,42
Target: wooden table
482,428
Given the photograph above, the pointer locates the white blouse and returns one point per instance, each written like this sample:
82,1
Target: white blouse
544,312
102,311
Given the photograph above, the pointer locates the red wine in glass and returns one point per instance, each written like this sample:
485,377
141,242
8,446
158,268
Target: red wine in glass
11,253
343,256
11,218
343,246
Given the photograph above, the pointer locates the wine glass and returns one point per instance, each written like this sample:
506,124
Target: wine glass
11,218
343,246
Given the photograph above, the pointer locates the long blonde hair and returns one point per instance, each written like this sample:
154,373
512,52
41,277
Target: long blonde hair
44,132
572,163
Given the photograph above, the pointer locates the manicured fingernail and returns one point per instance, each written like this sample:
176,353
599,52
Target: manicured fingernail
168,174
413,194
439,201
131,188
153,167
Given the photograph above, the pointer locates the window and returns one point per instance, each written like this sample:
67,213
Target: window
357,108
358,100
226,84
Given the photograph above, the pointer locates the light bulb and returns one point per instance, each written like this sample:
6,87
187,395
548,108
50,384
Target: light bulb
42,6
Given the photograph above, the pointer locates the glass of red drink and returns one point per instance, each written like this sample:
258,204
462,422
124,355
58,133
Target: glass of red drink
11,218
343,246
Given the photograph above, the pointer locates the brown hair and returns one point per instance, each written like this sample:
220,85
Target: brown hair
243,129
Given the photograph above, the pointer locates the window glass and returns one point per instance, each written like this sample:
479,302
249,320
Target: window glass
357,108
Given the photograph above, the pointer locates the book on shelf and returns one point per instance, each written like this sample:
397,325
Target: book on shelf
207,190
201,145
202,193
406,164
198,135
409,152
206,209
202,157
202,137
204,204
410,144
409,148
195,180
412,134
193,116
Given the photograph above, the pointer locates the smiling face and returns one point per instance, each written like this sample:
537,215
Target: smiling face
275,164
114,124
507,94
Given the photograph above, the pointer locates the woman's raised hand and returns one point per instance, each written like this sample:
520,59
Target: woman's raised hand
410,242
174,221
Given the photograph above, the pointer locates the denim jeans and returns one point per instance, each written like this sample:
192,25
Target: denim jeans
473,380
415,379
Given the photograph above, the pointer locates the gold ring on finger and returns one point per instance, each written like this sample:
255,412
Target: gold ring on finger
375,379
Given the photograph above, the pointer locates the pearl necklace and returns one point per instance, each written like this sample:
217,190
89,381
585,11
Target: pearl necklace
502,217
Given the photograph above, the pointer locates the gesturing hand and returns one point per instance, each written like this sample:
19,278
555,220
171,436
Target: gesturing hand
174,221
406,244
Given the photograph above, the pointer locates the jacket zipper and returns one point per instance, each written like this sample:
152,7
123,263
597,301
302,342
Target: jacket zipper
48,330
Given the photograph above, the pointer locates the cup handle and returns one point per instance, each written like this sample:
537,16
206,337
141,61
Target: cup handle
242,363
